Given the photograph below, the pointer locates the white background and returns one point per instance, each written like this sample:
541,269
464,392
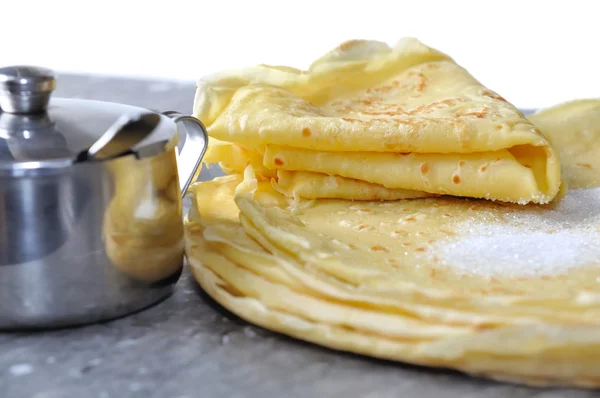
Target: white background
534,53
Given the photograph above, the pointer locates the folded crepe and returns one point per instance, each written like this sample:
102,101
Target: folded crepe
368,122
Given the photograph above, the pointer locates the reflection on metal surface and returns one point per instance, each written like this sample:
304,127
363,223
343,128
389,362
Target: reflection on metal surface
54,270
143,231
39,214
30,138
122,136
143,225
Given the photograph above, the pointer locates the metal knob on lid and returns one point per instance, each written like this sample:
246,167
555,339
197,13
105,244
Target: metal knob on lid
25,89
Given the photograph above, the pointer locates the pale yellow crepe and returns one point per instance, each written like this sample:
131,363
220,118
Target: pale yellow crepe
320,271
303,184
404,118
234,159
574,129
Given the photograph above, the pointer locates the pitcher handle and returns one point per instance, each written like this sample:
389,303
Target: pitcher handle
194,148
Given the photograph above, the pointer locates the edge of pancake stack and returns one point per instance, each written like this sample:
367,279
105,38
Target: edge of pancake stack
335,245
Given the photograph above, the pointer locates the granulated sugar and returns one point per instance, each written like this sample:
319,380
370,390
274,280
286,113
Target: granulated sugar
528,242
514,253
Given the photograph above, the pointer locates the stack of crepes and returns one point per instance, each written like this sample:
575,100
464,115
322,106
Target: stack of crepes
371,122
509,291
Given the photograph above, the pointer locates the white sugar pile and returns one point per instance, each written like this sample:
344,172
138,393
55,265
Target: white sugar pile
529,242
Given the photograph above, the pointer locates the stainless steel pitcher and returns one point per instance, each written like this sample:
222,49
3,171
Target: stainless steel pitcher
84,240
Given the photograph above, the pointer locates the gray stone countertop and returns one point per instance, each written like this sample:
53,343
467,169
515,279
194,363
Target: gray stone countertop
188,346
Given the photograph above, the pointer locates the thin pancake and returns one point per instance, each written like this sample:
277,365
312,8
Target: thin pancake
359,109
